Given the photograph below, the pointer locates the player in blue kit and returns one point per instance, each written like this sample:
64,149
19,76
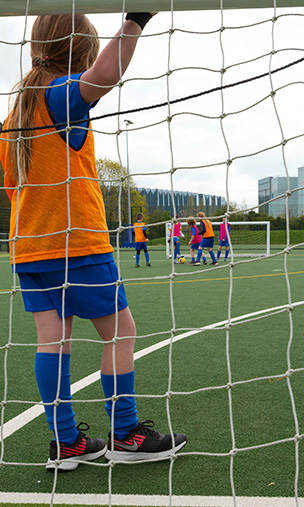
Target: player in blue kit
207,241
43,256
141,239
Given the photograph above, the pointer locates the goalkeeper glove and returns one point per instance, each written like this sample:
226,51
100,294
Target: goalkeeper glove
141,18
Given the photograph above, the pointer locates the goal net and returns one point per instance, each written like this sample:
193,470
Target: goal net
211,103
248,239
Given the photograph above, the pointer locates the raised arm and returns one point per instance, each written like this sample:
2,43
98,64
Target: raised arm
106,70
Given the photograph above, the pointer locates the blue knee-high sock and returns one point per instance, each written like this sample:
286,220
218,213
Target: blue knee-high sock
178,248
147,256
125,411
212,256
46,370
137,258
226,254
218,254
199,255
175,253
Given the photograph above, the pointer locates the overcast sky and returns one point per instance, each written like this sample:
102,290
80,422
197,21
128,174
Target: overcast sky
191,140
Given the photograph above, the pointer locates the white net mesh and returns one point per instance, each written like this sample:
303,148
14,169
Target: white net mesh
219,137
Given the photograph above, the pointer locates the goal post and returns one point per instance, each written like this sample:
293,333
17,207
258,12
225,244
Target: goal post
40,7
248,238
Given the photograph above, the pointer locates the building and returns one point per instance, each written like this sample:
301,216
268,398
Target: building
272,187
184,201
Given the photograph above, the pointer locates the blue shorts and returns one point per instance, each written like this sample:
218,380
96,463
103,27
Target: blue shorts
89,302
207,242
223,242
175,240
141,245
195,246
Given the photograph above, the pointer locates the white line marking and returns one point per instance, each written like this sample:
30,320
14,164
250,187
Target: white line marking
149,501
30,414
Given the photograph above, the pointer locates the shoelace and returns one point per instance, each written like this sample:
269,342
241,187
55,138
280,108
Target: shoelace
81,427
146,427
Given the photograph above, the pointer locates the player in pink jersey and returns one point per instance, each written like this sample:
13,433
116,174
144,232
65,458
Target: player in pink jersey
195,240
177,234
223,238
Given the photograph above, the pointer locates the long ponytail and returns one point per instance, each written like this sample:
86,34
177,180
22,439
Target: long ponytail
50,49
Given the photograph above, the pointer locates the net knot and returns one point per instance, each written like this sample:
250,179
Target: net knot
114,398
57,402
66,285
233,452
288,193
168,394
290,308
297,438
286,250
229,385
289,372
16,238
228,326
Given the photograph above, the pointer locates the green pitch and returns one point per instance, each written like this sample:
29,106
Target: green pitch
199,401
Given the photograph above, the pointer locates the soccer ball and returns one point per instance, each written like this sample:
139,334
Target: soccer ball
181,260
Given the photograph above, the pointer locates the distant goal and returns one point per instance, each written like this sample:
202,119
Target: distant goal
248,239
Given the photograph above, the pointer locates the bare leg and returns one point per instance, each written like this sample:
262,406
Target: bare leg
124,349
50,329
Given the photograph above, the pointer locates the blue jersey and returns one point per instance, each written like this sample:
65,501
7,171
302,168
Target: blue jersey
56,98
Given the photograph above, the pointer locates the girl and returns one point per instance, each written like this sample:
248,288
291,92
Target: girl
59,241
195,240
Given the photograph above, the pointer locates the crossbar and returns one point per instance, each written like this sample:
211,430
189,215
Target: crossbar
40,7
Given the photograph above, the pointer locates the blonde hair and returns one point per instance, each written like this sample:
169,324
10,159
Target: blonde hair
201,214
50,51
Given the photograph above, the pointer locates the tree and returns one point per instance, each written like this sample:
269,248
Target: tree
158,231
114,187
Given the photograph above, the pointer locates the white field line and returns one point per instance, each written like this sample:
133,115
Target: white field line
30,414
149,500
